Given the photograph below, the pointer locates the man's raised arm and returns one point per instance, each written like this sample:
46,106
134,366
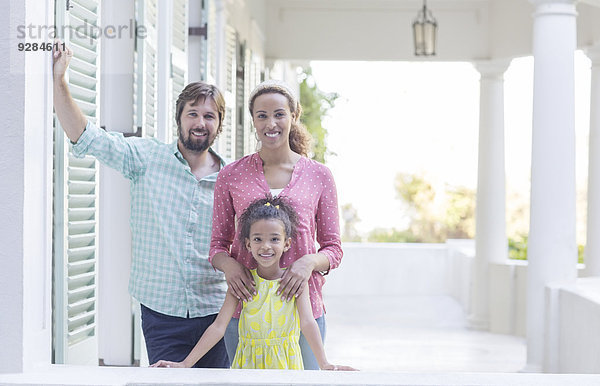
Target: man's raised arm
70,116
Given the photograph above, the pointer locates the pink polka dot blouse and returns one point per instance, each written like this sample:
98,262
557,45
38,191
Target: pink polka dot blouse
311,192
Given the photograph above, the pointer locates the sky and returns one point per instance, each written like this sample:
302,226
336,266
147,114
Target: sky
423,117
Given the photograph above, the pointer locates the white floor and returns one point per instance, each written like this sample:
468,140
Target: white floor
415,334
394,341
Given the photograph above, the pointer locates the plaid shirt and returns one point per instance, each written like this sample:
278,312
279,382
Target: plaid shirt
171,223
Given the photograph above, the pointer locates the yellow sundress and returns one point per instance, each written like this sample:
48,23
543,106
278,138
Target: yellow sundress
269,331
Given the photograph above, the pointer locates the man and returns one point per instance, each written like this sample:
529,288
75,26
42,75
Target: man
171,214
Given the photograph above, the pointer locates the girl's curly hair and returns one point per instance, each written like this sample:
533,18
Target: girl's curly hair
266,209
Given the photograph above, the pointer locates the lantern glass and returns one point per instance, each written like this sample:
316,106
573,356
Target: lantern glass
429,30
419,38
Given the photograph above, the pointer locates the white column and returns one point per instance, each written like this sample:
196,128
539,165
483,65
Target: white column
26,191
592,248
164,24
115,333
552,250
490,231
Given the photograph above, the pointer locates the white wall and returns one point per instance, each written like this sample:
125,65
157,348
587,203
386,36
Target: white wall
26,175
461,254
579,323
507,301
398,270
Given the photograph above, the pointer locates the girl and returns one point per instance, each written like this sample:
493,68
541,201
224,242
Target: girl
269,327
280,168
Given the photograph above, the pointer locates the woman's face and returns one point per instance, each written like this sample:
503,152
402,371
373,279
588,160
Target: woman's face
272,119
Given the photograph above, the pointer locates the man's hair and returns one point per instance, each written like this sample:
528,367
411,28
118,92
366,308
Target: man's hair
198,92
266,209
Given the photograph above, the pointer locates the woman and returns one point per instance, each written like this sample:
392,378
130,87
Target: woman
279,168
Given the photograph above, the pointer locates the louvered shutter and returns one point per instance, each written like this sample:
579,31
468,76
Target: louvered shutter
253,78
240,95
145,69
179,53
249,142
211,46
203,65
75,200
227,138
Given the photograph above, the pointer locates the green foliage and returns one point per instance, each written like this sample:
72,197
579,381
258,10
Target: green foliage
460,213
382,235
315,105
414,191
517,249
436,216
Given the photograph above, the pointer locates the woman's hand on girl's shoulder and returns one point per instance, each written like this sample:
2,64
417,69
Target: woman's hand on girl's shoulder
330,367
294,278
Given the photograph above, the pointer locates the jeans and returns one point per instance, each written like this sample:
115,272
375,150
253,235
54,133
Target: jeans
309,359
172,338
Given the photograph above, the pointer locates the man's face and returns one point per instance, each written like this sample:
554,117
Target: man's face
199,124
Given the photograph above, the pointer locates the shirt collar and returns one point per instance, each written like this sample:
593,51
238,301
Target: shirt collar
179,156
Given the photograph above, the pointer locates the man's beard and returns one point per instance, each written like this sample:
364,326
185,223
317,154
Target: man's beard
194,144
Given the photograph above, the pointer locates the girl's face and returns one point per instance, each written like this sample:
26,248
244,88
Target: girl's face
267,242
272,119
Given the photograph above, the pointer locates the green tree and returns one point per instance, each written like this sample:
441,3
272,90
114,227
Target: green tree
418,195
460,213
315,105
434,216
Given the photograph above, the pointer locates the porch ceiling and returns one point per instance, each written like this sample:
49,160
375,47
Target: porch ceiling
381,30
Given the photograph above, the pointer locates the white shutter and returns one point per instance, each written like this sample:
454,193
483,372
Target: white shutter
145,69
253,78
240,98
179,53
227,138
75,200
249,144
204,44
212,42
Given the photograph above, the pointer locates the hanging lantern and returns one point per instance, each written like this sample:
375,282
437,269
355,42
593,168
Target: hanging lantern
424,32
